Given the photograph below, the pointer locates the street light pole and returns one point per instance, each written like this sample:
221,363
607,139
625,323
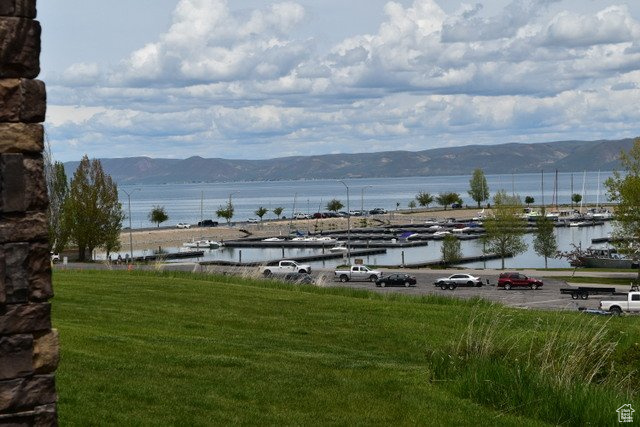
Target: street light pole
362,198
130,226
348,224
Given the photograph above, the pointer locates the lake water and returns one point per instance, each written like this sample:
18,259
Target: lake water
565,236
182,202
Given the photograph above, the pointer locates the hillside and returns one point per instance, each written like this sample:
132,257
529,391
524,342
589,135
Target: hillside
144,348
566,156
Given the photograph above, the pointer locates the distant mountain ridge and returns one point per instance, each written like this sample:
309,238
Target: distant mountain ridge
565,156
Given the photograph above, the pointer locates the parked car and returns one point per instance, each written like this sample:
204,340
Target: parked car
357,272
456,206
630,305
300,215
456,280
396,280
514,280
55,257
286,267
183,225
207,223
377,211
253,220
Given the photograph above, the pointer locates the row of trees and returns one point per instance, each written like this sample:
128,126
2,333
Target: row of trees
84,212
478,191
505,230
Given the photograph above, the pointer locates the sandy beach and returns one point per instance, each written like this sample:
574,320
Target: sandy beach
173,237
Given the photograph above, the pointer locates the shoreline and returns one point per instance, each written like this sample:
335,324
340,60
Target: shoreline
175,237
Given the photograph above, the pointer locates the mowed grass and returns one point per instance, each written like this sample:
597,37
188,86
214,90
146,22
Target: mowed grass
157,349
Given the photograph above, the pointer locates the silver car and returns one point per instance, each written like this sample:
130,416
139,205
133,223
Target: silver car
456,280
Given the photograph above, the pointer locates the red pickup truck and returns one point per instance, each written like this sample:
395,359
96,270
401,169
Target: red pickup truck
513,280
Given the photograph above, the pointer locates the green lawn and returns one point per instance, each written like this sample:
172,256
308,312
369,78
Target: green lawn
152,349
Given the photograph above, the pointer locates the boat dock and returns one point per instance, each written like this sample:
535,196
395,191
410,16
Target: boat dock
306,258
172,255
435,263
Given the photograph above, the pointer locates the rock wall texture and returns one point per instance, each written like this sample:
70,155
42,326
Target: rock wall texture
28,344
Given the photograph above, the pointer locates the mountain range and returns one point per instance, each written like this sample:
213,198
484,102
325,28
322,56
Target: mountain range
565,156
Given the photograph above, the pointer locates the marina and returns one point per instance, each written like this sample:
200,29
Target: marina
421,246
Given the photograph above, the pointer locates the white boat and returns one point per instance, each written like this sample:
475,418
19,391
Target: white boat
480,216
202,244
531,215
599,214
273,239
339,248
580,223
441,233
553,216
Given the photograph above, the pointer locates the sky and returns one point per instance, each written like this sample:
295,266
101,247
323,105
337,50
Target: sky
250,79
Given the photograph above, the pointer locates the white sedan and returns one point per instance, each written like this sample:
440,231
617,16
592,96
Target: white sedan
183,225
456,280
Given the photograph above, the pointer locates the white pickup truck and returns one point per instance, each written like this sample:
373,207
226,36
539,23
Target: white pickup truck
631,305
285,267
357,272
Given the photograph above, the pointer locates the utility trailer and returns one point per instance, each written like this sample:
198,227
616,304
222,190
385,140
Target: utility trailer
583,292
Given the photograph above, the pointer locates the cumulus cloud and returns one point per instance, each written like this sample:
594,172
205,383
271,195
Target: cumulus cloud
220,79
610,26
206,43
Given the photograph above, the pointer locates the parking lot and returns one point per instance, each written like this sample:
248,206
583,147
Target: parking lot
548,297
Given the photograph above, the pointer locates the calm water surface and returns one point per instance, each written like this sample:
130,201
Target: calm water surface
183,202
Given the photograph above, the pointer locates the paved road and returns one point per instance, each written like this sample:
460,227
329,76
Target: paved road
547,297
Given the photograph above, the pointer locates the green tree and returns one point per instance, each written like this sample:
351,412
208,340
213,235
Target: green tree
505,229
545,243
158,215
226,212
451,252
424,199
412,204
445,199
479,189
278,211
576,198
58,190
624,188
529,200
261,211
334,205
92,211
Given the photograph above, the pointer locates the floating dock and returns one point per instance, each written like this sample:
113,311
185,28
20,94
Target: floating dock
172,255
301,259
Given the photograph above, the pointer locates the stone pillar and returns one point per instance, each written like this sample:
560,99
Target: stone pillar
28,345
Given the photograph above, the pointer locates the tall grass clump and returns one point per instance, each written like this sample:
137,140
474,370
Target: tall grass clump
560,371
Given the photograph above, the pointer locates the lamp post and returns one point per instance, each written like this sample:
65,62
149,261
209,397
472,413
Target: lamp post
362,198
348,224
130,232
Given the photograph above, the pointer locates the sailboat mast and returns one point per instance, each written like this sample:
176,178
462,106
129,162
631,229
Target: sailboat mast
598,195
201,206
584,178
542,188
555,190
